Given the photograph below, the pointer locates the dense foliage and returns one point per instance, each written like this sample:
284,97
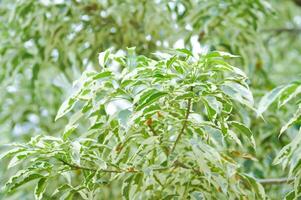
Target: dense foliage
150,122
175,115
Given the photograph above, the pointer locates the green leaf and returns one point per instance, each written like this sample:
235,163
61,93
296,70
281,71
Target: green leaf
126,187
131,58
269,98
185,51
244,130
25,179
147,98
220,54
222,65
291,91
171,61
283,154
239,93
103,58
65,107
12,152
258,188
102,75
40,188
18,158
60,189
69,130
295,118
196,195
290,196
234,137
212,107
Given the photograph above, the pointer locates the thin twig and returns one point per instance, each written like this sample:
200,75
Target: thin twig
76,167
164,148
130,170
268,181
158,180
184,123
152,130
283,30
273,181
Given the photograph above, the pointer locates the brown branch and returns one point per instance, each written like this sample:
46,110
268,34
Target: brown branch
268,181
164,148
129,170
152,130
273,181
76,167
184,124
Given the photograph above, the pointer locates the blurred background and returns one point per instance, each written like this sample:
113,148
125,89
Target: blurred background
46,44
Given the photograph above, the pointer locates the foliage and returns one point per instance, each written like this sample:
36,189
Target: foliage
177,112
54,41
45,45
289,155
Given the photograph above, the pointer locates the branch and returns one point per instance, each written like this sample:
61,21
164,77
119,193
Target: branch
297,2
268,181
164,148
282,30
129,170
271,181
76,167
152,130
184,124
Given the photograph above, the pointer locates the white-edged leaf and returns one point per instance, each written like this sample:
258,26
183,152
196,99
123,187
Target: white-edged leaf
269,98
244,130
221,54
259,190
65,107
238,93
27,177
296,117
292,91
18,158
40,188
11,152
103,58
234,137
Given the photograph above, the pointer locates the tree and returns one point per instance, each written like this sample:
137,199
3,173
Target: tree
171,117
57,42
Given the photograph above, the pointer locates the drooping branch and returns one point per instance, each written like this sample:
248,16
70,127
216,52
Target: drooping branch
273,181
129,170
176,164
77,167
283,30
